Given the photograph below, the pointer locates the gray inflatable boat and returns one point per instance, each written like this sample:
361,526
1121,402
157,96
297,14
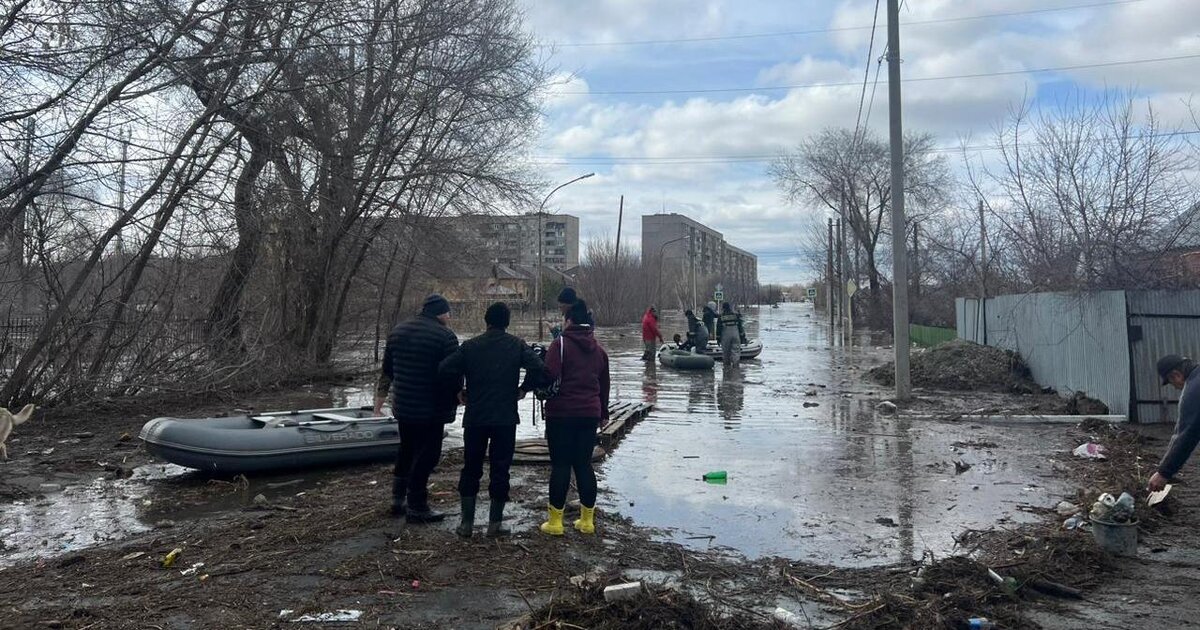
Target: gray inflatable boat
275,440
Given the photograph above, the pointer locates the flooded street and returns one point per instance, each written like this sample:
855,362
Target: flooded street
832,482
814,473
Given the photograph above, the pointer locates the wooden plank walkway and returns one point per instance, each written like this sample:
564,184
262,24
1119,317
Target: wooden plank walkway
622,416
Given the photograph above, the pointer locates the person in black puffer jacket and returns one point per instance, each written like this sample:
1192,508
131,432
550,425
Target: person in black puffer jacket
423,401
492,364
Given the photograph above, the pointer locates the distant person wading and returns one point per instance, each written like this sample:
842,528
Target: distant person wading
731,334
580,365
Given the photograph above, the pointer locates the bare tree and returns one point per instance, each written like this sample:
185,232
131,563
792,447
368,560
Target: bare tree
1088,191
851,176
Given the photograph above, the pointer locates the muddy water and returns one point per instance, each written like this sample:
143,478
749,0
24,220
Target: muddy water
832,482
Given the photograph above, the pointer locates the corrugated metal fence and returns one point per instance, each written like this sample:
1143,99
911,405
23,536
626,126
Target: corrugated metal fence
1104,344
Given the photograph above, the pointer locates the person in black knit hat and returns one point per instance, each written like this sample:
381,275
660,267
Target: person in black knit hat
423,402
492,364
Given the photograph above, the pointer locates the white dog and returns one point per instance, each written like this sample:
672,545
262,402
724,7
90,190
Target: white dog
8,420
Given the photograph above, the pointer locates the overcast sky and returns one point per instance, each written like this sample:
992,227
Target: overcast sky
705,153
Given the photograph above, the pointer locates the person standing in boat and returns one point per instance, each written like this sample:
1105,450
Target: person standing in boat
492,364
730,333
580,365
697,332
423,402
709,317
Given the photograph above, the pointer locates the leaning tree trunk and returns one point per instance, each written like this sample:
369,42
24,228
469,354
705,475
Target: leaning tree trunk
224,317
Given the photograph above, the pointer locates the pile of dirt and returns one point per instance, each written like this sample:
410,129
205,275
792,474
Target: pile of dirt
962,365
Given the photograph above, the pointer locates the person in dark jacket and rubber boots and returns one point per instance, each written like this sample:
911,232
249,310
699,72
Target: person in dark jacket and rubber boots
1180,372
423,402
492,364
573,416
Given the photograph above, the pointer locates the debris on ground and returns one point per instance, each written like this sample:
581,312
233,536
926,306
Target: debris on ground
649,609
886,407
621,592
338,616
1090,450
962,365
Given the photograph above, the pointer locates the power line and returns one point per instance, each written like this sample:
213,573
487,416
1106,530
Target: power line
803,86
840,29
763,157
867,72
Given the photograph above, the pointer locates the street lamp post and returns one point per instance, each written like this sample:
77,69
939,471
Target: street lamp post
661,248
541,238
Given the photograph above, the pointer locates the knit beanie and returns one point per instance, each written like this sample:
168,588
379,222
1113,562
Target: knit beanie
435,305
567,296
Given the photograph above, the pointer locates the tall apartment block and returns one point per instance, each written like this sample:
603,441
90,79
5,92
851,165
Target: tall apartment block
677,243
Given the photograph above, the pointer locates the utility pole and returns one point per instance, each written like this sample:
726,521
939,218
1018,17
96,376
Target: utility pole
121,190
847,299
829,276
620,219
899,250
982,273
916,259
841,278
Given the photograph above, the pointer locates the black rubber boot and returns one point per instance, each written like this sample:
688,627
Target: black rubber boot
399,495
421,515
467,524
496,520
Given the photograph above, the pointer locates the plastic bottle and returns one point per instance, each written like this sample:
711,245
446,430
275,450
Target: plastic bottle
715,475
980,623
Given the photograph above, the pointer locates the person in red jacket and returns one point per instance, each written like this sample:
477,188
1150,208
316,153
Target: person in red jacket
580,365
650,333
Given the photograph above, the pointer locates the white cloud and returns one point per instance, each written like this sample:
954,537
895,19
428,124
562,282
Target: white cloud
737,197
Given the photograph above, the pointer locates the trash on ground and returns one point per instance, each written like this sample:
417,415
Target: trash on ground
1090,450
192,570
337,616
715,475
961,467
1066,508
980,623
1075,522
170,558
618,592
1158,497
133,556
887,407
787,617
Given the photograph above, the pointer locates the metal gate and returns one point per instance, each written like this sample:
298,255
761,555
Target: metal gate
1159,323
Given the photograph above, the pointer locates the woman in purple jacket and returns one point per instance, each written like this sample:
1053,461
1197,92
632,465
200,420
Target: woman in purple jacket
573,416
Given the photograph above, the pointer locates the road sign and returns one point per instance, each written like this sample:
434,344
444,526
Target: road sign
812,292
851,288
718,296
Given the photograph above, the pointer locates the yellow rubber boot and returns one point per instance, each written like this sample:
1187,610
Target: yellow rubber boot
554,525
586,524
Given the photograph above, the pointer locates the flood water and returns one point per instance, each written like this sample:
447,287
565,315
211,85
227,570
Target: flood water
813,472
832,483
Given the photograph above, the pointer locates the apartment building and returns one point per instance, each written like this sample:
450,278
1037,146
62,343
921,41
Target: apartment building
513,240
678,244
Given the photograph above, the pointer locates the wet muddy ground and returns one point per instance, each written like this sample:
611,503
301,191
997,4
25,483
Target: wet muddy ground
816,478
